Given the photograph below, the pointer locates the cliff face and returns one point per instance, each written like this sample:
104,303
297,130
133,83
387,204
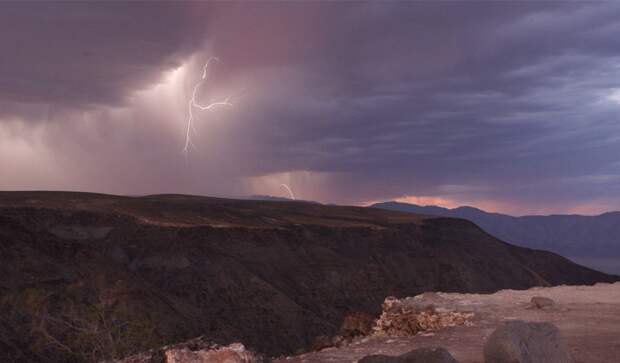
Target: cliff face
88,277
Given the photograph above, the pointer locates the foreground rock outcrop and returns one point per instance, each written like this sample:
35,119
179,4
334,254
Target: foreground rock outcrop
196,350
90,276
581,325
410,316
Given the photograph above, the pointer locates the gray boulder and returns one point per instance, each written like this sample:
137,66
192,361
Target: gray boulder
526,342
422,355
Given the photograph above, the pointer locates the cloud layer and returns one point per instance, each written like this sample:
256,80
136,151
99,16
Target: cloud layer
512,107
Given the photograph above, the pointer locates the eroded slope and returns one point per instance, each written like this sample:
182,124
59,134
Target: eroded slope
91,276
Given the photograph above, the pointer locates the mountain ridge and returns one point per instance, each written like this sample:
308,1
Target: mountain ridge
574,236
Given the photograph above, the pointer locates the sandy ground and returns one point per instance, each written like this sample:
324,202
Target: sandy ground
587,316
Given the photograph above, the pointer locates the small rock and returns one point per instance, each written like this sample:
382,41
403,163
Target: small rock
526,342
421,355
540,302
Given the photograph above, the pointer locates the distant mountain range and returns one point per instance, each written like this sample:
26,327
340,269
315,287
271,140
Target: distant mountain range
590,240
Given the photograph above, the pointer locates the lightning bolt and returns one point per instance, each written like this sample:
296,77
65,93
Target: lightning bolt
194,104
290,192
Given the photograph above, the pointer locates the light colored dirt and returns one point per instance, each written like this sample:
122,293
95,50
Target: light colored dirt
587,316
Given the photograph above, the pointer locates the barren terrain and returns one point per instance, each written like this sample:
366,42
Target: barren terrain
587,316
91,276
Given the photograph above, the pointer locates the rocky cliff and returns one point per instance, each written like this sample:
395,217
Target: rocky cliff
88,277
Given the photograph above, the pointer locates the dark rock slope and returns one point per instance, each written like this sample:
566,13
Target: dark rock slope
87,277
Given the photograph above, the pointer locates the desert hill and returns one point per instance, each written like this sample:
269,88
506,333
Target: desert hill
591,240
93,276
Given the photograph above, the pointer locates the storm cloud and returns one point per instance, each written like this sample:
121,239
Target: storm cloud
508,106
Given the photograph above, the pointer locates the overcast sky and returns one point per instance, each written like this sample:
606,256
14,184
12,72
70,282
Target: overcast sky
511,107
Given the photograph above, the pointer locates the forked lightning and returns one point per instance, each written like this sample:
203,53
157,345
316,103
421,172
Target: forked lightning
194,104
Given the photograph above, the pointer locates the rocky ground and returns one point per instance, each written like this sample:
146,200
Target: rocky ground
588,318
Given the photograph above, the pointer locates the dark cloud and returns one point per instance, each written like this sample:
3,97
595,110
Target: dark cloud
85,54
508,105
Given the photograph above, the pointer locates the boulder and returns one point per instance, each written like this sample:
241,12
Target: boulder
526,342
421,355
540,302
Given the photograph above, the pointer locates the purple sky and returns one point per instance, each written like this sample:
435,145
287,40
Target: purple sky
511,107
